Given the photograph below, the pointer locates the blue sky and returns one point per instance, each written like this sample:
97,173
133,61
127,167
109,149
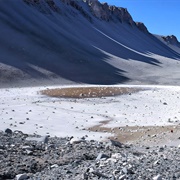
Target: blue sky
160,16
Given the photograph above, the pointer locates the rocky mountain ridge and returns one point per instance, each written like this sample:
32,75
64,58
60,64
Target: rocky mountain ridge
102,11
171,40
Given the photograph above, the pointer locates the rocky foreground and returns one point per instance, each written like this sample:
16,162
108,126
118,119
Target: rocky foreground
33,157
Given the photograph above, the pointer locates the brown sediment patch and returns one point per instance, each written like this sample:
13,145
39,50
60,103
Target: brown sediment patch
146,135
89,92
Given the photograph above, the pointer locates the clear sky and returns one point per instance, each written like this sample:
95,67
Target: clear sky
160,16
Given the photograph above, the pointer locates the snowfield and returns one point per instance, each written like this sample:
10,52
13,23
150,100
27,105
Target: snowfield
27,110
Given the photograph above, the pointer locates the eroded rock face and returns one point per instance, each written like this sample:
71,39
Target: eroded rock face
102,11
105,12
171,40
78,7
122,14
88,9
43,5
142,27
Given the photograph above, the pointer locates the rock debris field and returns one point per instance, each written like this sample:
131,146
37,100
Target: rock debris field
35,157
132,132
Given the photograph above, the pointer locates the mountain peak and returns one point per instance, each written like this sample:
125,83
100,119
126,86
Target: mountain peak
106,12
171,40
102,11
142,27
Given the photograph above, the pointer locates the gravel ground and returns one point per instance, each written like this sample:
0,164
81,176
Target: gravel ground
35,157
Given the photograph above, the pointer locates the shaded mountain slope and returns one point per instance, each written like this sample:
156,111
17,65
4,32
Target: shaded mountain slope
81,42
170,41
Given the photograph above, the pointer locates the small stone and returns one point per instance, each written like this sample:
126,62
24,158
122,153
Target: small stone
1,146
21,177
137,153
54,166
45,139
161,149
97,173
154,135
29,152
85,176
122,177
158,177
115,143
76,140
8,131
124,170
69,172
124,159
156,163
50,146
177,175
116,156
116,172
112,160
27,148
102,156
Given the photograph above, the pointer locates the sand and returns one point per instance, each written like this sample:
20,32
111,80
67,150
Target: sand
89,92
143,135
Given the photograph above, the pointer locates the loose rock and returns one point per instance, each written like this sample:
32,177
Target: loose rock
8,131
158,177
83,159
21,177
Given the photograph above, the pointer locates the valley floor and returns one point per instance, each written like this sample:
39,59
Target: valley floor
148,116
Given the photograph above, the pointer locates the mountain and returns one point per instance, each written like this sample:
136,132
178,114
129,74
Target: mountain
170,41
67,41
